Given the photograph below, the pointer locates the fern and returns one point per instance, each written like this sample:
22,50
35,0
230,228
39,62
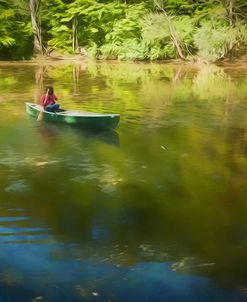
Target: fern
159,52
6,41
93,49
110,51
132,49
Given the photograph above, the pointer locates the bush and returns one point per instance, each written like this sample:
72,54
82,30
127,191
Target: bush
110,51
133,49
217,42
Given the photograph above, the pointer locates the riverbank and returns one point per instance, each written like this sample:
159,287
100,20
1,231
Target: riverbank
57,58
83,56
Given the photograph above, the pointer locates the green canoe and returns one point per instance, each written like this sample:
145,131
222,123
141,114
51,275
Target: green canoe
76,117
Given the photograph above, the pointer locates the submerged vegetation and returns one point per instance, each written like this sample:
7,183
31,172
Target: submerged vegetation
124,29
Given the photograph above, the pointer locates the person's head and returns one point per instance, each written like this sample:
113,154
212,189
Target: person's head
50,90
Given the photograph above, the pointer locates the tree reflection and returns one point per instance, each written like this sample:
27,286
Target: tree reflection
174,189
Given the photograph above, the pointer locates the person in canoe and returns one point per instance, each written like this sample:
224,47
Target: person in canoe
48,100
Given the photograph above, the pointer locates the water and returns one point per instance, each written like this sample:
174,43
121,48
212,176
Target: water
154,211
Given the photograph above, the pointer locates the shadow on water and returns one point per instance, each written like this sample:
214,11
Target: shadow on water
49,131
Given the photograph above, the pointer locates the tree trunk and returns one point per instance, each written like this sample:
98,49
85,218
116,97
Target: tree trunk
74,33
175,39
34,9
173,32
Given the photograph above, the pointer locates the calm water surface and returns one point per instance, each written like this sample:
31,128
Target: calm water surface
154,211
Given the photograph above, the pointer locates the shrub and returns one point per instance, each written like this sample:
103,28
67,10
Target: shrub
217,42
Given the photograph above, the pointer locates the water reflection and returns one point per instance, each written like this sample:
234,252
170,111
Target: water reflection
94,269
49,131
157,216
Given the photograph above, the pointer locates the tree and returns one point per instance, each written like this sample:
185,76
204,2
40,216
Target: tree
15,33
29,9
174,35
34,6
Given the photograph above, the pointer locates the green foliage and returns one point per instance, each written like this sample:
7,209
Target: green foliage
56,31
5,17
14,34
215,41
6,40
123,40
185,27
242,34
156,33
132,50
110,50
61,38
96,20
158,52
127,29
93,49
155,28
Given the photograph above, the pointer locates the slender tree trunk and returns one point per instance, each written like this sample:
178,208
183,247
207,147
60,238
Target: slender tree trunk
175,39
34,9
74,33
174,36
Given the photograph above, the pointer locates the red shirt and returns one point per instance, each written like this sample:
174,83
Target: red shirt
50,99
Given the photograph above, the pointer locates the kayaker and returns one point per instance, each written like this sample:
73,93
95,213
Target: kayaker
48,100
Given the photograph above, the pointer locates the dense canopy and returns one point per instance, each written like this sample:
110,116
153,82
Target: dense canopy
124,29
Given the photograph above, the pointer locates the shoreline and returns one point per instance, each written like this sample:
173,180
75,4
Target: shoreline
82,59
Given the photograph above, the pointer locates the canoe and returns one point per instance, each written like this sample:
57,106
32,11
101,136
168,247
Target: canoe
75,117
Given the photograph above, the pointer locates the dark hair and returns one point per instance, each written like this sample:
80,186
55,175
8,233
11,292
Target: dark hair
50,90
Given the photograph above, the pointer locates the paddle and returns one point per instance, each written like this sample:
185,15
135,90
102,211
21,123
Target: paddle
40,116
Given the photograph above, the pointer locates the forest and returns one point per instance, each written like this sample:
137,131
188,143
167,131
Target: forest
133,30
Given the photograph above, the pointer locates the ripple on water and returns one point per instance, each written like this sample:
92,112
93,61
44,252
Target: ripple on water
9,219
16,227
